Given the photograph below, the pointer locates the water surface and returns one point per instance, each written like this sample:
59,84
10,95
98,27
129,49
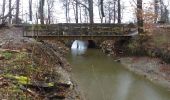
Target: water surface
100,78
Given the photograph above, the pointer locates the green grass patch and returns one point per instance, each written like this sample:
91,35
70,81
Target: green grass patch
19,79
7,55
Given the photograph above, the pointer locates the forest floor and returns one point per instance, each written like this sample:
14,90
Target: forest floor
34,70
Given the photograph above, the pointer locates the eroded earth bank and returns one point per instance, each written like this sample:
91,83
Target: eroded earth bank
34,70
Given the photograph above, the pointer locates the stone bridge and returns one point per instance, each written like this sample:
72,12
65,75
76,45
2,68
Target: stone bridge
84,31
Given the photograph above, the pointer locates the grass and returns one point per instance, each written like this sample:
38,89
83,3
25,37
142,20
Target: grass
13,69
7,55
19,79
21,68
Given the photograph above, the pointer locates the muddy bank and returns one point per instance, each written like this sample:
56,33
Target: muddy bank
142,56
151,68
34,70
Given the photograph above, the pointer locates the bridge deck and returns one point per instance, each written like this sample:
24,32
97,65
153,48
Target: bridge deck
78,31
79,37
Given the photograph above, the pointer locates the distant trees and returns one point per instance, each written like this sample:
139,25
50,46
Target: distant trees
110,11
77,4
113,11
156,10
4,16
161,11
79,11
50,7
66,6
164,11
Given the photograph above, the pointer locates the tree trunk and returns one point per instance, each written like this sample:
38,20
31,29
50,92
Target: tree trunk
110,17
77,12
102,10
30,10
17,11
140,16
114,20
119,11
156,8
99,8
66,11
10,11
41,11
49,16
3,11
90,3
80,14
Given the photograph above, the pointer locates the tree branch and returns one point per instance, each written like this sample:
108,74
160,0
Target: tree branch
7,15
81,4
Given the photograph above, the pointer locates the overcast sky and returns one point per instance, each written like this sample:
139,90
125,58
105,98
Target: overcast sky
59,11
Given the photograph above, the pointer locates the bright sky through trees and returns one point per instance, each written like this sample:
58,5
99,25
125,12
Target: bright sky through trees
58,12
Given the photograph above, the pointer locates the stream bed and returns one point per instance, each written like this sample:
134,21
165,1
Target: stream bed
99,77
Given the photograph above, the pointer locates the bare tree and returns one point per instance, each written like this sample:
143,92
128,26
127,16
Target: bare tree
140,16
17,11
101,10
114,12
30,10
164,13
86,16
156,9
75,6
109,11
88,8
41,11
3,17
90,4
50,6
3,10
66,6
10,11
77,19
119,11
80,14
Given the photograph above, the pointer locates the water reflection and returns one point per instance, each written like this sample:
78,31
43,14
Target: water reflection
100,78
79,47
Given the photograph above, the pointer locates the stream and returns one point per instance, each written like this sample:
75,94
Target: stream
100,78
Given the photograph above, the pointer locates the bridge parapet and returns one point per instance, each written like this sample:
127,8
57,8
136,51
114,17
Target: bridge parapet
77,29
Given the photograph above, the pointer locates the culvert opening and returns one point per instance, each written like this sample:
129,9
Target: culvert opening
91,44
